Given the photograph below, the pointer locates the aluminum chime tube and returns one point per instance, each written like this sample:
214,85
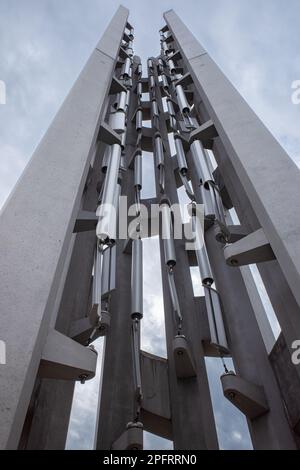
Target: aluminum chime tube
212,300
107,213
137,279
209,190
137,264
170,260
159,160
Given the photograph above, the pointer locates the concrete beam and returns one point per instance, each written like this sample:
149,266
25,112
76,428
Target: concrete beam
248,397
156,411
65,359
252,249
85,222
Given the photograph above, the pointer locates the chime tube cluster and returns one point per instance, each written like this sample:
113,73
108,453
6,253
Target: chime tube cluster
107,210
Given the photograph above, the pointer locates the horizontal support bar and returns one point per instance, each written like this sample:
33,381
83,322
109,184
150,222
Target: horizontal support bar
248,397
116,86
176,56
65,359
107,135
184,81
86,221
123,54
252,249
206,132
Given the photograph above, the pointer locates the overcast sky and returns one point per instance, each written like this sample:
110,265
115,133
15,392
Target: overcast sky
44,45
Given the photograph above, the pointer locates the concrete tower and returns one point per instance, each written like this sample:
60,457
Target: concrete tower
68,277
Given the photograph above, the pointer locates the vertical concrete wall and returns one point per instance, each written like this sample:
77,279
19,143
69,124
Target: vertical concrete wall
36,228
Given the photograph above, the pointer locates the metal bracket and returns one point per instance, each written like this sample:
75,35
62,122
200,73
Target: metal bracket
252,249
65,359
249,398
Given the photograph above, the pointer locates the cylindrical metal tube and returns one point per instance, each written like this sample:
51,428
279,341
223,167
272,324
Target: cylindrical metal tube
181,160
170,106
117,121
121,105
160,65
140,70
215,320
137,279
182,101
123,139
151,81
96,294
203,171
150,64
165,82
167,235
139,120
105,159
106,227
173,123
138,171
171,66
201,253
164,47
154,108
127,100
209,208
127,67
159,151
139,89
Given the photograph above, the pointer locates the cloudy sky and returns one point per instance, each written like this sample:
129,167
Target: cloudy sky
45,43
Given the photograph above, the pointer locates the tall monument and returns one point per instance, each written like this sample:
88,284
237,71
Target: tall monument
69,277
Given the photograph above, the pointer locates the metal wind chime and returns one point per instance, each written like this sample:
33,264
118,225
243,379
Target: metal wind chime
163,78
